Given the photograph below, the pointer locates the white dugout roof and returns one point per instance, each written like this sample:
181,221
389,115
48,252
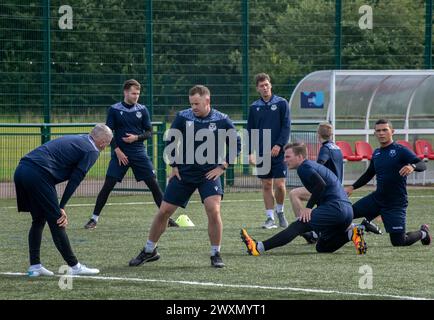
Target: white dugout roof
354,99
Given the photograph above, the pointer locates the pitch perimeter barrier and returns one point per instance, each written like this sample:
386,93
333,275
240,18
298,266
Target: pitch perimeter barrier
17,139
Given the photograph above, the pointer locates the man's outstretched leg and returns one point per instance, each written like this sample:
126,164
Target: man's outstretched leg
101,200
159,225
157,194
256,248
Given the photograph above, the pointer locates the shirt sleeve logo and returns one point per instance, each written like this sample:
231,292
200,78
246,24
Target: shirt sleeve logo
138,114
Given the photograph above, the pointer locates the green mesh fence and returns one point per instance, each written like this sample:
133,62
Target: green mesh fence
68,66
66,62
18,139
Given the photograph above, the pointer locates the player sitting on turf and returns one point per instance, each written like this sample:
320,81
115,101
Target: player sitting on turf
332,217
330,156
391,163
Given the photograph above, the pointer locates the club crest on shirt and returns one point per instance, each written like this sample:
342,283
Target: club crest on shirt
257,109
138,114
273,107
392,153
212,126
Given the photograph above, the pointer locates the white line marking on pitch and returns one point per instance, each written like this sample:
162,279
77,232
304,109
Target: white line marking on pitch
236,286
193,201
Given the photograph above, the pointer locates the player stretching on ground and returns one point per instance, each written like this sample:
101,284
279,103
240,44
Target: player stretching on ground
391,163
332,217
330,156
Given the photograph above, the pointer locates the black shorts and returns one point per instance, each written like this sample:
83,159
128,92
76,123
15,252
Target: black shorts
178,192
36,191
139,162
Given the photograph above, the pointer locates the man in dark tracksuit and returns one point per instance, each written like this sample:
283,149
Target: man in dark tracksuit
332,217
391,163
330,156
131,124
66,158
270,114
191,172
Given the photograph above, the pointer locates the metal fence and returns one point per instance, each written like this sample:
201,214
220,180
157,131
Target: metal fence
66,61
18,139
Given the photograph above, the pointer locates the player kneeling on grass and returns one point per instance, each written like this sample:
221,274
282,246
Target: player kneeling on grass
332,217
391,163
331,157
66,158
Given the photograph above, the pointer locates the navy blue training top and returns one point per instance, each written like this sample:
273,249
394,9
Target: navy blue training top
386,163
274,115
66,158
63,156
333,190
186,122
123,119
331,157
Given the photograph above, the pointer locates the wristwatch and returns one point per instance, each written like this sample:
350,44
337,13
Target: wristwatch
222,166
413,165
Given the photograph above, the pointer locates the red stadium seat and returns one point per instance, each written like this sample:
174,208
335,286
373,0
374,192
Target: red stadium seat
347,152
424,149
364,150
409,146
405,144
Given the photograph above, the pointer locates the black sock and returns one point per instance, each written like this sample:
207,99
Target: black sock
103,195
285,236
155,189
405,239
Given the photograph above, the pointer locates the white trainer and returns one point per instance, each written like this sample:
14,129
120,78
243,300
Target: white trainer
39,272
83,270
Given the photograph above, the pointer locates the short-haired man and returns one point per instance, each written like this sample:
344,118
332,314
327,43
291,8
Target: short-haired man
391,163
332,217
191,174
331,157
131,124
66,158
270,112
